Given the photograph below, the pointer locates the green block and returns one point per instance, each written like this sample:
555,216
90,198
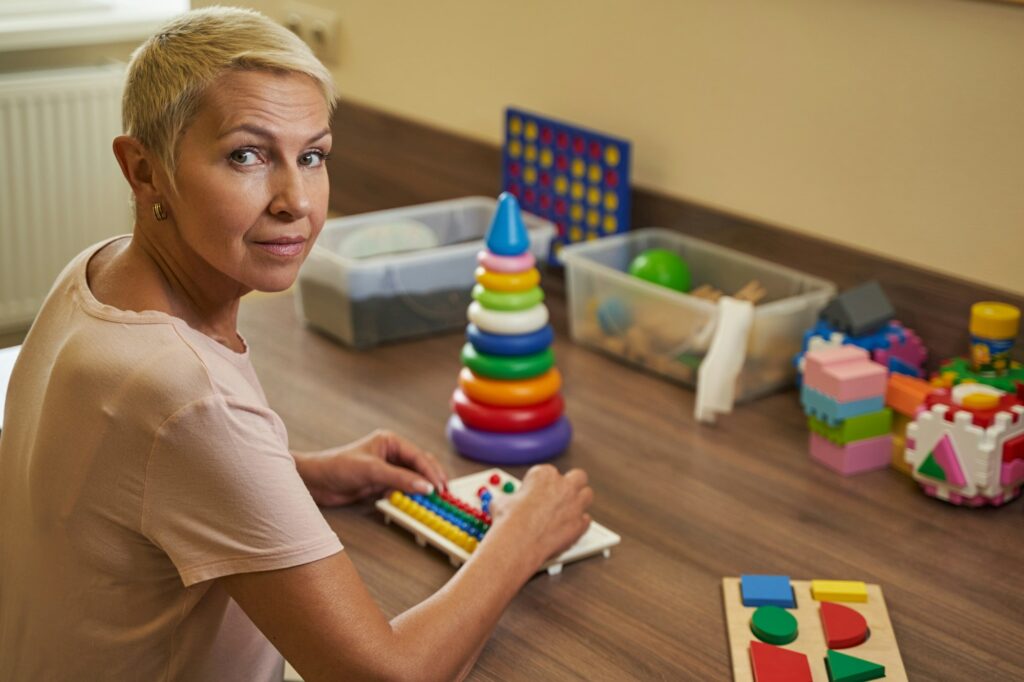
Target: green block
773,625
929,467
870,425
846,668
961,368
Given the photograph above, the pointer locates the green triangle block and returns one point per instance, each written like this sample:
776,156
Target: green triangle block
931,468
846,668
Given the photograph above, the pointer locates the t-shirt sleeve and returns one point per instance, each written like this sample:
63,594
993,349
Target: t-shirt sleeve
223,496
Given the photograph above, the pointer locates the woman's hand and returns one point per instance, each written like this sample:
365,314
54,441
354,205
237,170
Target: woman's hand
547,514
369,466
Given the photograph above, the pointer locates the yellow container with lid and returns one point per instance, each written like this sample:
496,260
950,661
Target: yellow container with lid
993,328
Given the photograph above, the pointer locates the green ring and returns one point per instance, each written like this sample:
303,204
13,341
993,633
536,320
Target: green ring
507,366
507,300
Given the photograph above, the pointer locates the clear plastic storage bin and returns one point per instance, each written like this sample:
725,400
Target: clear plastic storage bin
397,295
668,332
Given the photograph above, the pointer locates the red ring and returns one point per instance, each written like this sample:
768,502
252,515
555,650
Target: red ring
507,419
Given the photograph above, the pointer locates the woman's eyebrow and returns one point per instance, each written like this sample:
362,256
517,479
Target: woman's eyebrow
263,132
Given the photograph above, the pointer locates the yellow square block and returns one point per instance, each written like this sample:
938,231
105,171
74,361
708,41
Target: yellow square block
839,590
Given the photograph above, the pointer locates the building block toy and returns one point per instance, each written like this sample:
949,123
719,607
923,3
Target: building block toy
894,346
830,411
845,373
845,668
575,177
839,590
861,427
767,590
965,443
508,408
818,624
905,394
844,627
958,370
860,310
457,520
855,457
843,394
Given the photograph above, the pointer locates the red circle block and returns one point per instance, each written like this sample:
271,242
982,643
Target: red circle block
578,144
562,162
562,140
507,419
495,479
611,178
595,150
546,135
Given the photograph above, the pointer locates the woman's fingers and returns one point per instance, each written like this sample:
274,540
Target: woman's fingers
398,450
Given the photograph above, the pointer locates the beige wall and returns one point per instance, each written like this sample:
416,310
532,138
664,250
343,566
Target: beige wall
896,126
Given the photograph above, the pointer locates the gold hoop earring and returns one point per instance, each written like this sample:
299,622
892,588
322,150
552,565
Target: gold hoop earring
158,211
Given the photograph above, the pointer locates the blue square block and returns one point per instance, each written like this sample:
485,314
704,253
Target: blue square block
767,590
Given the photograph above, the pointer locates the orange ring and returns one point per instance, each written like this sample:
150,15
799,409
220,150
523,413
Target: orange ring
506,393
507,281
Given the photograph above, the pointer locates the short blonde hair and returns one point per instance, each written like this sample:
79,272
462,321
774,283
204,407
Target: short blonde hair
169,73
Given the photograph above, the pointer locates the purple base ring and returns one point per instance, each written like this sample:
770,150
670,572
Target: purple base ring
506,264
510,449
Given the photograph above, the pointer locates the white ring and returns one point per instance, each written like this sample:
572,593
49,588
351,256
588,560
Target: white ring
504,322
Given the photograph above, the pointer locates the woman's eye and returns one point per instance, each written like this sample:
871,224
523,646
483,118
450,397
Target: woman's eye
245,157
312,159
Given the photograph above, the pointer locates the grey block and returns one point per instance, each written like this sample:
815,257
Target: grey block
858,311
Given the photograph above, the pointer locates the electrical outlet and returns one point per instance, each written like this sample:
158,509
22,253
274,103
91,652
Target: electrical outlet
318,27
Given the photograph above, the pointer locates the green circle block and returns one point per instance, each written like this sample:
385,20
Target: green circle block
773,625
507,366
507,300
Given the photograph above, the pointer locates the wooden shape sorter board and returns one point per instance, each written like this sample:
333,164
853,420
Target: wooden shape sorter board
880,647
597,539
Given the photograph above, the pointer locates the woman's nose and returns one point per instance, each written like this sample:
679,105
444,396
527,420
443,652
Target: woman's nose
291,198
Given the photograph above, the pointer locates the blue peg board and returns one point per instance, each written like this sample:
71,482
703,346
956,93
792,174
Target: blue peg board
574,177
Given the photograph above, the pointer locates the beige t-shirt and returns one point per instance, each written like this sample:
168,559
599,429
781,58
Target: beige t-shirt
139,461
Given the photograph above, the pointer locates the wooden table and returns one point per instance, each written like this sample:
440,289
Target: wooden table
693,503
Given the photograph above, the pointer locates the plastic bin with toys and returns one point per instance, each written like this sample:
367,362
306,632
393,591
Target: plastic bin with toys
400,273
668,332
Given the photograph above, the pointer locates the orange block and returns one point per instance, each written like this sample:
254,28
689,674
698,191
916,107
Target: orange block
906,393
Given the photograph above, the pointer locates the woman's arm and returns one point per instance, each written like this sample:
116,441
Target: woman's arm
321,617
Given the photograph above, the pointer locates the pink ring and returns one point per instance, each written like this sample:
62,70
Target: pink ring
505,264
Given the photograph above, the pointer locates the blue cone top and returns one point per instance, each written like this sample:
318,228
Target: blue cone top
507,235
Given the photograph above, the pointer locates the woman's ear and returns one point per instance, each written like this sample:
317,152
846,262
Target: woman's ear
138,168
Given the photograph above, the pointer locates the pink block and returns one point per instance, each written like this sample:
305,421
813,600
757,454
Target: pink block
853,458
945,455
1012,472
845,374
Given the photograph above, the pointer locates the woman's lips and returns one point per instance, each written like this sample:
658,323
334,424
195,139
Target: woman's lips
287,247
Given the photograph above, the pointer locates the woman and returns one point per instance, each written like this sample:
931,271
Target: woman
153,523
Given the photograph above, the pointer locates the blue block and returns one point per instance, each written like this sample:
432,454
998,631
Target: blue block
832,412
510,344
767,590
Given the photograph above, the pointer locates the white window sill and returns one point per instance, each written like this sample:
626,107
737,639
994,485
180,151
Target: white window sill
113,21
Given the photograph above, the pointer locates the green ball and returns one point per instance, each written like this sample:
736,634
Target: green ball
663,267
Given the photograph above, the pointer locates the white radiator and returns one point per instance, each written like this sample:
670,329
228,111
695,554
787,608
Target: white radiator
60,186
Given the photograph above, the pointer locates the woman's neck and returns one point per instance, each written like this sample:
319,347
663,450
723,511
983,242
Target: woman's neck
159,273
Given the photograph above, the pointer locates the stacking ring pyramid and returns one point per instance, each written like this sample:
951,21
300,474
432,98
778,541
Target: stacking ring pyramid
508,407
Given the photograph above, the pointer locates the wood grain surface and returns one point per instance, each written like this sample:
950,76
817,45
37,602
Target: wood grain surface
693,504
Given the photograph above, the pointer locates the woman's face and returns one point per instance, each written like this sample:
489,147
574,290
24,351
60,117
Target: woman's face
252,184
